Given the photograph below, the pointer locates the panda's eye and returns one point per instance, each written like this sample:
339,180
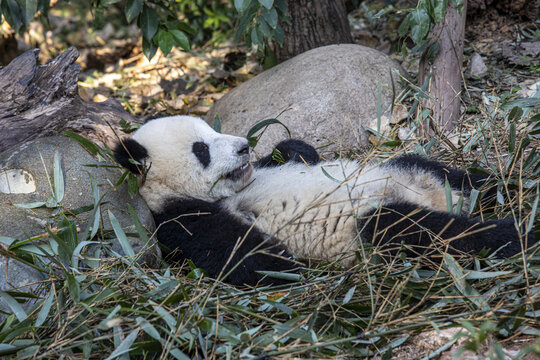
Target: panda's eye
200,149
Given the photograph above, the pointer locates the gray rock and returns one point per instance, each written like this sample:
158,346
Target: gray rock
477,65
325,94
16,275
26,176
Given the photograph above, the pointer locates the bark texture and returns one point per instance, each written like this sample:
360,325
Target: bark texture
38,101
445,83
314,23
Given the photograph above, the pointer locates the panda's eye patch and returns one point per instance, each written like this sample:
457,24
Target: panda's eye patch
200,149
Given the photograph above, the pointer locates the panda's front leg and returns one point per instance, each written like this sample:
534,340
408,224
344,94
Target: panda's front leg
424,231
219,243
290,150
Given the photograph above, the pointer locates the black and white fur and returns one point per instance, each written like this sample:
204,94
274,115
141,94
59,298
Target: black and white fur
213,207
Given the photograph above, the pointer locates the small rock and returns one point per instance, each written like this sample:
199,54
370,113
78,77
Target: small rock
404,133
478,67
528,89
399,114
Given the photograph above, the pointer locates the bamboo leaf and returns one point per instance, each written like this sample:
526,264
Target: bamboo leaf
84,142
532,216
474,275
15,307
473,199
45,309
349,295
58,176
512,138
73,287
7,240
149,329
31,205
121,236
329,176
264,124
138,225
125,346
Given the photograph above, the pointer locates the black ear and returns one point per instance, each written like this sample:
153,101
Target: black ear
128,149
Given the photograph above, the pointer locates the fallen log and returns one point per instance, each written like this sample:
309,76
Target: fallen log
42,100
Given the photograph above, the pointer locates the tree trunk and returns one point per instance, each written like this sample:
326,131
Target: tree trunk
445,83
38,101
314,23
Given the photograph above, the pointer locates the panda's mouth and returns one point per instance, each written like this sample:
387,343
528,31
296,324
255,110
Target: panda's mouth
241,173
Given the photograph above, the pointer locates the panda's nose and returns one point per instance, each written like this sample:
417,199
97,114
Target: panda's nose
244,150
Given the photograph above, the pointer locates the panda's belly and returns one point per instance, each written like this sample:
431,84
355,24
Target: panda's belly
311,210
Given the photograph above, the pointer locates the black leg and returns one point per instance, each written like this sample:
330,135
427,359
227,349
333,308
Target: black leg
291,150
418,228
458,179
219,243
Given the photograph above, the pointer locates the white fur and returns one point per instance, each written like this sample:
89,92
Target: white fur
174,171
312,209
314,212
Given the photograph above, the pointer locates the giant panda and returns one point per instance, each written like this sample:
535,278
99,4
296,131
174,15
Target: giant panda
234,219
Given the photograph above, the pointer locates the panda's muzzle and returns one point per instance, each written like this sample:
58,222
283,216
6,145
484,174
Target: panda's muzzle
241,173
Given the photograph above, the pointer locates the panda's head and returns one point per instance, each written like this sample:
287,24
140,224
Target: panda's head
185,158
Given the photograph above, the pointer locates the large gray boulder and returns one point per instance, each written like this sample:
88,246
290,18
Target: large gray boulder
26,176
327,94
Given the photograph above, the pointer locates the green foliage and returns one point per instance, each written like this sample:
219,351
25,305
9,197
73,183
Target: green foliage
166,24
419,21
262,126
259,21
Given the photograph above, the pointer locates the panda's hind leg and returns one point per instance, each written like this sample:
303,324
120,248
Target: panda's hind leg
458,179
424,231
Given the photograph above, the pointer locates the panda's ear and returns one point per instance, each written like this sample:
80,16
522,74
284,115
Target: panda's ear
127,152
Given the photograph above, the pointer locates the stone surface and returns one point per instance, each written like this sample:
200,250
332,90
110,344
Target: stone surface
21,277
328,94
477,65
30,166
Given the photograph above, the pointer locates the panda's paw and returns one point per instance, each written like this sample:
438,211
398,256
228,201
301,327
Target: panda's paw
298,151
290,150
